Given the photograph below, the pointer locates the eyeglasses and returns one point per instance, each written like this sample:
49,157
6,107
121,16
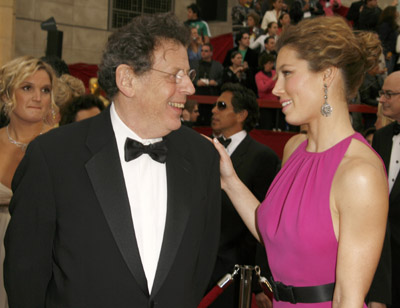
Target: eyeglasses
387,94
179,75
220,105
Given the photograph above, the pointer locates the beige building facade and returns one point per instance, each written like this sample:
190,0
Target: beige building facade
83,22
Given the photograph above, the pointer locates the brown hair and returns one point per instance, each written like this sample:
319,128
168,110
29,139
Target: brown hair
255,17
67,89
329,41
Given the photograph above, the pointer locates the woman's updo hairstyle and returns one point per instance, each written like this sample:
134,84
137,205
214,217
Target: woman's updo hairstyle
329,41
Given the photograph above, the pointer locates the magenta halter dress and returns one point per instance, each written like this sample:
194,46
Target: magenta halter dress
295,220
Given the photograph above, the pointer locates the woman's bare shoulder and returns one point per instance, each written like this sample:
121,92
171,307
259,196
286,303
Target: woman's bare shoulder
361,177
292,145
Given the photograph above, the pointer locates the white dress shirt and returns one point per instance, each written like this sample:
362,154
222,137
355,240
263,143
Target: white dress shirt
394,165
146,185
236,140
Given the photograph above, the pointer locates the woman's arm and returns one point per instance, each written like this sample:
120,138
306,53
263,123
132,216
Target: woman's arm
243,200
359,203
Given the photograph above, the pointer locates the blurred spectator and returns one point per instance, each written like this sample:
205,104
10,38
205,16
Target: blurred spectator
253,23
258,44
265,6
194,49
273,14
257,6
58,65
238,72
283,22
190,113
303,9
330,5
208,72
381,120
265,78
194,21
265,81
67,88
353,14
369,16
239,16
369,93
249,57
80,108
388,32
269,49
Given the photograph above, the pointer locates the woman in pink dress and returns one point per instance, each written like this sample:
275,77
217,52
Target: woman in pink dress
324,217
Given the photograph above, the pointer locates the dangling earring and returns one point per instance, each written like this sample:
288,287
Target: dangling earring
53,112
326,109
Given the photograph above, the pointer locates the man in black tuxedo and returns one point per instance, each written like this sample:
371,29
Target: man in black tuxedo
123,209
234,115
386,142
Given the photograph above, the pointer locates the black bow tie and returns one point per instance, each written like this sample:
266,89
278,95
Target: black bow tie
224,142
396,128
157,151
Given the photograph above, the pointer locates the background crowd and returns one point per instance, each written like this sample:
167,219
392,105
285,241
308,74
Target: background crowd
60,99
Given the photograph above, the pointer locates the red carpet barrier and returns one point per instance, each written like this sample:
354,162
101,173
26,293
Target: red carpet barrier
83,71
221,44
263,103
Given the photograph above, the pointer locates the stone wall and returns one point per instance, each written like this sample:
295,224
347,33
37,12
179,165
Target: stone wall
83,22
7,26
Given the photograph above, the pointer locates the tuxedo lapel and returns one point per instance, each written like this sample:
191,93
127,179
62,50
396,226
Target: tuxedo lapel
105,172
179,185
385,150
386,142
239,155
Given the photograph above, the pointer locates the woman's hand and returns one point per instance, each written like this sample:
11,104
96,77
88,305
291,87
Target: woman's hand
226,168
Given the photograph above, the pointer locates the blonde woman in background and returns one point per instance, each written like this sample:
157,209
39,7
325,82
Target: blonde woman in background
26,92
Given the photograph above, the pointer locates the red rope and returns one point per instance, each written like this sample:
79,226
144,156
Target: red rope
211,296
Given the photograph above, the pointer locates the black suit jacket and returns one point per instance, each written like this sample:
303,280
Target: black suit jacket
71,240
382,143
256,165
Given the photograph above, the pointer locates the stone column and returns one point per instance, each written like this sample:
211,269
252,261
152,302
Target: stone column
7,30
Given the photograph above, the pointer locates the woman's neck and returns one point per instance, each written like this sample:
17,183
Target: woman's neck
24,132
325,132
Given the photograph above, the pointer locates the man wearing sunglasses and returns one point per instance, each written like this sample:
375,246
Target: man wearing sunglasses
123,209
235,114
386,142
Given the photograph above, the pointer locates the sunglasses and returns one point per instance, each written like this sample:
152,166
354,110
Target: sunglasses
220,105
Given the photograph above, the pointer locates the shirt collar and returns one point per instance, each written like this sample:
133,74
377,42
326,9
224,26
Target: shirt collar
236,140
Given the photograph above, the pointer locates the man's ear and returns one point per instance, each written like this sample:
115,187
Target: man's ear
125,80
242,115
